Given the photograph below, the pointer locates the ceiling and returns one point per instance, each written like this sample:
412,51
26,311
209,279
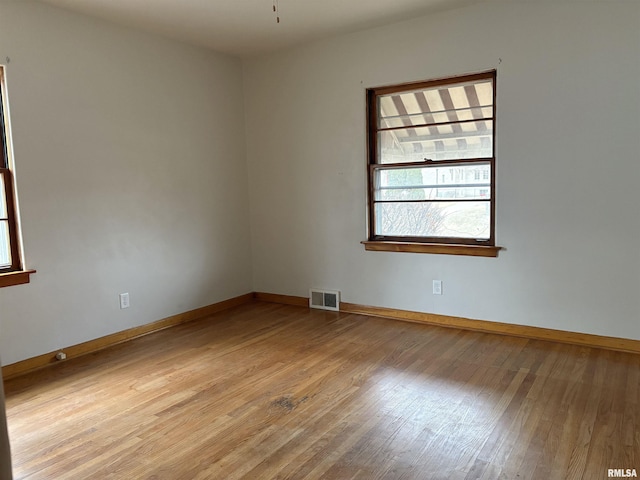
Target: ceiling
248,28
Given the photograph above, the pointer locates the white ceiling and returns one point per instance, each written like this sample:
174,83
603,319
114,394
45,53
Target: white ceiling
248,27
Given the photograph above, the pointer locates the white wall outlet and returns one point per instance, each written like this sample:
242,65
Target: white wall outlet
124,300
437,287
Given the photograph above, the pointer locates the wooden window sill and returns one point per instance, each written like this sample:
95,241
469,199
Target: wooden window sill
437,248
15,278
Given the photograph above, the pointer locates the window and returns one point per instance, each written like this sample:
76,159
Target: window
11,268
431,165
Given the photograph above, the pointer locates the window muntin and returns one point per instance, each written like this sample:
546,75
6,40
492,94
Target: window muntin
9,248
431,161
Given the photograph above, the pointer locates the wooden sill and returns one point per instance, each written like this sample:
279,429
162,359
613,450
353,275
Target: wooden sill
437,248
15,278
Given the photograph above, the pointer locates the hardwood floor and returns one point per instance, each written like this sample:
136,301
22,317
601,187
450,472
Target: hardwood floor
270,391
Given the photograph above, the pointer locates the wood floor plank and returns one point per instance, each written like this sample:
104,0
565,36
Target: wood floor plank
268,391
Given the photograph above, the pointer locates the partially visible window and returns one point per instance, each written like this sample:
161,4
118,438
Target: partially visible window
431,161
10,260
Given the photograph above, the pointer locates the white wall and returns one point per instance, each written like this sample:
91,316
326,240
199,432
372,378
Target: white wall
568,170
130,154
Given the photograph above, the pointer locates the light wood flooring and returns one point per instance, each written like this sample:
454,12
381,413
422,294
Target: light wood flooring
267,391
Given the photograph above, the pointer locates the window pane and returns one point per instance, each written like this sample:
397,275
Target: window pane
5,250
449,103
434,219
3,201
394,121
444,142
470,181
458,193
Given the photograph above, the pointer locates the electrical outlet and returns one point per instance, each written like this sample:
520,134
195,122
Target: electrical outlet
437,287
124,300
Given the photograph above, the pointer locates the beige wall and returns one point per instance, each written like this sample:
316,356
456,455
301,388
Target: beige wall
568,137
131,175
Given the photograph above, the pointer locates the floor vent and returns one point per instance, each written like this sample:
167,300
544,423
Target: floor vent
324,299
